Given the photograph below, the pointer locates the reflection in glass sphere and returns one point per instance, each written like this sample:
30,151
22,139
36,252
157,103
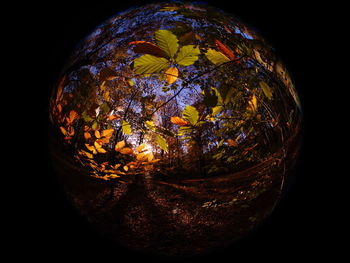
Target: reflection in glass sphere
174,127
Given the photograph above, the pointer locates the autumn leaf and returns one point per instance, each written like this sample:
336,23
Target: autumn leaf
91,148
190,114
119,145
167,41
99,147
216,57
150,125
179,121
266,89
140,156
63,130
231,142
225,50
162,142
148,64
253,104
144,47
149,157
216,110
87,135
107,74
97,134
126,127
87,154
125,168
72,116
140,148
126,150
187,55
113,117
171,75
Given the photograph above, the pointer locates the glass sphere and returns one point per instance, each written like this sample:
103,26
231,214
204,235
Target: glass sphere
174,127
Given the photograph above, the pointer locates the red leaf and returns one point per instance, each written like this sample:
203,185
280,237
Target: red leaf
144,47
225,50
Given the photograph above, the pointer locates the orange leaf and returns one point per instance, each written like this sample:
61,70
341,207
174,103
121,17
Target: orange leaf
140,156
97,134
126,168
99,147
231,142
87,135
225,50
107,133
126,151
72,116
107,74
178,121
171,75
63,130
140,147
91,148
144,47
120,145
113,117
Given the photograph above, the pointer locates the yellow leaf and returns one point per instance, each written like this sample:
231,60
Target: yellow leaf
171,75
253,104
178,121
140,147
87,135
126,151
117,166
91,148
113,176
87,154
149,157
120,145
99,147
97,134
231,142
126,168
140,156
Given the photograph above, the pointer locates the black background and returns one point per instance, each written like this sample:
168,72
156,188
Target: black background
53,229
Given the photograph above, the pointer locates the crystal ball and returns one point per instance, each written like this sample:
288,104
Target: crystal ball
174,128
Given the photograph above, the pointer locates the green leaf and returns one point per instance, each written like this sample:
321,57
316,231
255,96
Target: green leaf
187,55
148,64
190,114
94,125
217,93
86,117
167,41
164,131
266,89
162,142
150,125
184,130
126,127
216,57
229,95
216,110
104,108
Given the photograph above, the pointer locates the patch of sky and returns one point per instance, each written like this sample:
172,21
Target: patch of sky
237,31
